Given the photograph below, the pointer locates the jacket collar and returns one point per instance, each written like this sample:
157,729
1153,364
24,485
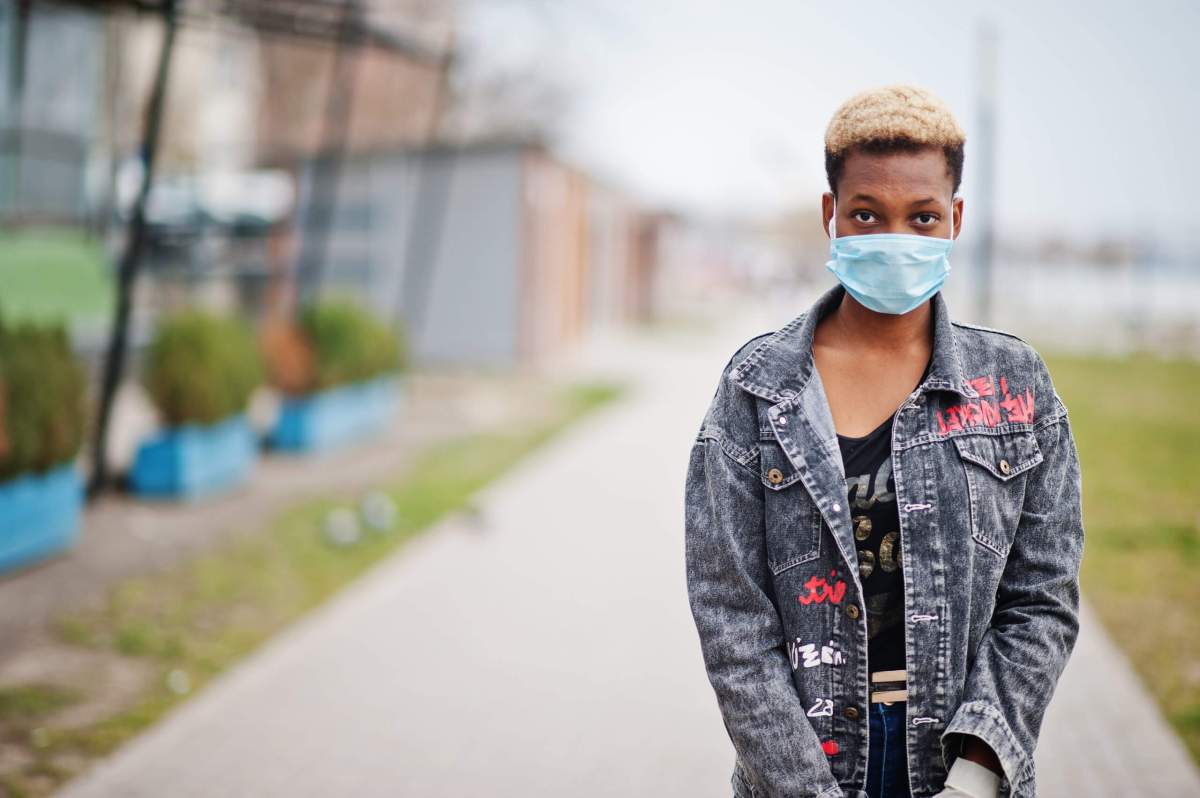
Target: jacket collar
780,367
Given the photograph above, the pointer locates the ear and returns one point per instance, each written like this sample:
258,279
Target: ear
956,210
826,211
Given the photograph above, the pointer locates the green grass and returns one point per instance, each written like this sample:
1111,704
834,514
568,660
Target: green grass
1137,428
29,701
201,617
51,274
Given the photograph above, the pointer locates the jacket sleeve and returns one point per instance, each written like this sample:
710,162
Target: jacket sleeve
741,635
1036,619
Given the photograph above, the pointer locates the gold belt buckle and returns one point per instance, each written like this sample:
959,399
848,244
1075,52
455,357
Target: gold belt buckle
892,695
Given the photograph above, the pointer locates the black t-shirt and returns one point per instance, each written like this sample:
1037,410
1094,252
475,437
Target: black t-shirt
871,497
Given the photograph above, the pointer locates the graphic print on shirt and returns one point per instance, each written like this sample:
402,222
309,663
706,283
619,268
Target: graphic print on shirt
871,497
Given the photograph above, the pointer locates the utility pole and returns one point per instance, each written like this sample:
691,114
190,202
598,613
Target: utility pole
118,343
985,168
18,55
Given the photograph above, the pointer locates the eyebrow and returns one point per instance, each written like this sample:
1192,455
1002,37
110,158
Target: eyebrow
868,198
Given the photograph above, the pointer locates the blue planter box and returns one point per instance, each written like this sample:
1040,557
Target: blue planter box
193,460
39,515
336,416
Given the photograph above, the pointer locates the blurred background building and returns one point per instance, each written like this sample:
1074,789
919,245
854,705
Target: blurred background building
291,164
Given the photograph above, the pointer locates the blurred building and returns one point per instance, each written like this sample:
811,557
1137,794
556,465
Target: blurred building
239,95
290,164
512,256
49,149
75,78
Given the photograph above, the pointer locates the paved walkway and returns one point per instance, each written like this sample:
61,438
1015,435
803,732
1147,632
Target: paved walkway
124,537
551,652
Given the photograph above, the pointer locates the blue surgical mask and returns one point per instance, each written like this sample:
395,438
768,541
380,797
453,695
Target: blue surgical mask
890,272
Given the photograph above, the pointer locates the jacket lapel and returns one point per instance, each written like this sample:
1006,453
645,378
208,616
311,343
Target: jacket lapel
781,370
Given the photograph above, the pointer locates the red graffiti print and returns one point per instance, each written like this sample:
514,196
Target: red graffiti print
984,385
830,747
819,589
1017,409
971,413
991,413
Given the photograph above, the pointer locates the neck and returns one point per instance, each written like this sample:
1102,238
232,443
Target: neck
861,327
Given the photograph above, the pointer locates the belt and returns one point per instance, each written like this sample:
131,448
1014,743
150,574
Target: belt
891,686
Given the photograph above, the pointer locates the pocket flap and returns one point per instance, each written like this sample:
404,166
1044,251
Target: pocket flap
1004,456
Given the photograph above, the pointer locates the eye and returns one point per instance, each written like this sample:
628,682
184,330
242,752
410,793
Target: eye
926,218
858,217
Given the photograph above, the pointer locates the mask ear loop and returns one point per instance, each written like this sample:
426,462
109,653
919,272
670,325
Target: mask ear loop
833,219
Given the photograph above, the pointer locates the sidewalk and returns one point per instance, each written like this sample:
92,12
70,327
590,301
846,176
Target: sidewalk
552,652
124,536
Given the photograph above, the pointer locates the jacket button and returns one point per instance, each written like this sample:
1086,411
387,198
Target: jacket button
852,610
775,476
1005,467
850,712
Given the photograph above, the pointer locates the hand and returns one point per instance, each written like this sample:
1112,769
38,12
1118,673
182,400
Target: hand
969,779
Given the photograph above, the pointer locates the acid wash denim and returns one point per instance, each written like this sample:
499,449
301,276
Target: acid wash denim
988,487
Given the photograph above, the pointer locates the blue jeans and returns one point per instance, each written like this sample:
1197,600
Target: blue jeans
887,765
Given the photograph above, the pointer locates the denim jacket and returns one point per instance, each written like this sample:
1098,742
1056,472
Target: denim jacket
988,490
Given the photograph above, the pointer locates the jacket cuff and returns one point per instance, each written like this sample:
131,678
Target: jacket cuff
984,721
973,778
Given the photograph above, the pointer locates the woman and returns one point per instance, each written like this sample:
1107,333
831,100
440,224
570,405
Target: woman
883,514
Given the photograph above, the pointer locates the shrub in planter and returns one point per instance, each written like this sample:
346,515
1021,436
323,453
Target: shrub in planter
42,417
349,344
201,367
347,386
199,370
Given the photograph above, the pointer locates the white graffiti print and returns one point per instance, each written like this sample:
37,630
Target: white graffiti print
823,708
811,656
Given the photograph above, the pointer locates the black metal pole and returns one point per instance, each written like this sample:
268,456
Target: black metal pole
16,100
114,362
325,173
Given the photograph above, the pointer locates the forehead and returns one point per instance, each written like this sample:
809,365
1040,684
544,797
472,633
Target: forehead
896,175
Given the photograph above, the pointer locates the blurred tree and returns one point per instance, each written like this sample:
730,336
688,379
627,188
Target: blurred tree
522,102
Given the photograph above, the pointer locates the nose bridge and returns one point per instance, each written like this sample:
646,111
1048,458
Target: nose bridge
895,217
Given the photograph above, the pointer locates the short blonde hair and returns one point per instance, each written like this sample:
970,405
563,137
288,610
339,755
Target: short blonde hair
889,113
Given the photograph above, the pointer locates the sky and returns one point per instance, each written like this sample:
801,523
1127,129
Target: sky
721,107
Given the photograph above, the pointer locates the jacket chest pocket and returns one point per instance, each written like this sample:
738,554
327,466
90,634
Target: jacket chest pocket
996,468
793,521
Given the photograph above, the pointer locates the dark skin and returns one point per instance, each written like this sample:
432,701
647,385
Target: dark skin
870,362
